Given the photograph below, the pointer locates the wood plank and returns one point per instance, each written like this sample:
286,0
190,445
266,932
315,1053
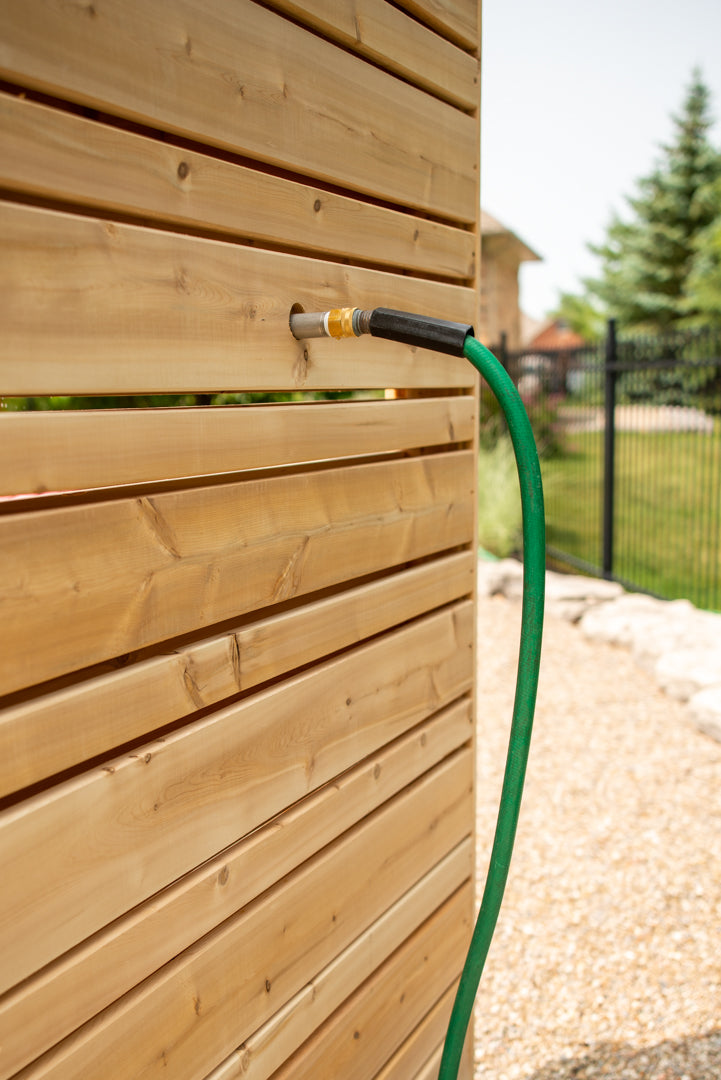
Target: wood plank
430,1069
384,34
52,733
235,75
89,849
63,996
423,1048
460,20
88,583
365,1032
66,451
432,1066
267,1049
184,1020
57,155
89,306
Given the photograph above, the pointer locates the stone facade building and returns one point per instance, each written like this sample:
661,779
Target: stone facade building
502,253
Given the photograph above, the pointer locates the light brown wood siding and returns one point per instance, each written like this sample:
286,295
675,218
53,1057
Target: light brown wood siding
236,637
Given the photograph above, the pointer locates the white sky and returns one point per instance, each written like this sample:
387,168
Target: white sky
577,98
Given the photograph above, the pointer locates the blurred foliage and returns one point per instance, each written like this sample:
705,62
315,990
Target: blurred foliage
542,409
582,315
704,281
167,401
646,261
499,499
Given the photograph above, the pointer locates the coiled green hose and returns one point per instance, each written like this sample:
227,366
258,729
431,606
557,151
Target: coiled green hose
534,574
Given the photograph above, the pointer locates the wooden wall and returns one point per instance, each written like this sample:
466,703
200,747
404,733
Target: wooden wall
236,643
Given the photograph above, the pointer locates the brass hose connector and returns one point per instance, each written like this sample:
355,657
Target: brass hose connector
340,322
421,331
337,323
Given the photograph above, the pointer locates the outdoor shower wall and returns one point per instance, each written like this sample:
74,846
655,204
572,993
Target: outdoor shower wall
236,642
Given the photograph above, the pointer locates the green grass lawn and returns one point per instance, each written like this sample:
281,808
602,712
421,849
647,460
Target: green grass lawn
668,509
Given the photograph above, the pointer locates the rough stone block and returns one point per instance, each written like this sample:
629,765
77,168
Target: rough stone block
685,671
705,707
503,576
616,622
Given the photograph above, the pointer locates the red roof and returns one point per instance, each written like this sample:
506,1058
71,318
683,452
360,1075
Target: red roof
555,336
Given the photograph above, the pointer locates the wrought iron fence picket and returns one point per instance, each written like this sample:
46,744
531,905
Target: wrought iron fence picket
635,483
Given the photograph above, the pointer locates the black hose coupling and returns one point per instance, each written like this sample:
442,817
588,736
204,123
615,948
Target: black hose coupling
439,335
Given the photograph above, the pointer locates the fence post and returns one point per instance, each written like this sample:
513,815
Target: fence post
609,448
503,349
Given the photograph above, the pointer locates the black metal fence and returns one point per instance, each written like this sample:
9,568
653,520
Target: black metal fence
630,436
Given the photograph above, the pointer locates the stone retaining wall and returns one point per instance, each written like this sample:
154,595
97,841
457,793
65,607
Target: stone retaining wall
672,640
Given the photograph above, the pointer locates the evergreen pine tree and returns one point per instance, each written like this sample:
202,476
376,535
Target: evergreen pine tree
704,283
646,261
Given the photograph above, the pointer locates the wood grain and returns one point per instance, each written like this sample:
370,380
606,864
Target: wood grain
422,1045
236,75
195,1011
268,1047
89,849
460,20
369,1028
115,576
58,155
66,451
66,994
384,34
52,733
238,763
91,307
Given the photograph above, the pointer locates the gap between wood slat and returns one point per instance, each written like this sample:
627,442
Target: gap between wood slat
421,1050
458,19
140,311
82,854
360,1037
103,121
187,1015
61,730
117,576
267,1048
393,40
66,451
215,76
63,996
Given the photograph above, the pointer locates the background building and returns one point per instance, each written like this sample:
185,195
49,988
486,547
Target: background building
502,253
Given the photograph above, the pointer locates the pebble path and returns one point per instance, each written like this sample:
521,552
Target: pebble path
606,964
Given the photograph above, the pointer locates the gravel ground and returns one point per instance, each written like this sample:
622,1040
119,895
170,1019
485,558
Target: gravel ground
607,957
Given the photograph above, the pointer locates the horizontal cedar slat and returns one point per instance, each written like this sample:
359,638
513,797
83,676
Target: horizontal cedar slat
90,849
65,451
233,74
386,35
90,306
422,1045
368,1029
57,731
58,155
189,1016
458,19
49,1006
268,1047
88,583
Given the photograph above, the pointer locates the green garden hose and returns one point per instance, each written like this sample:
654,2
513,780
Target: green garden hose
457,339
534,576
